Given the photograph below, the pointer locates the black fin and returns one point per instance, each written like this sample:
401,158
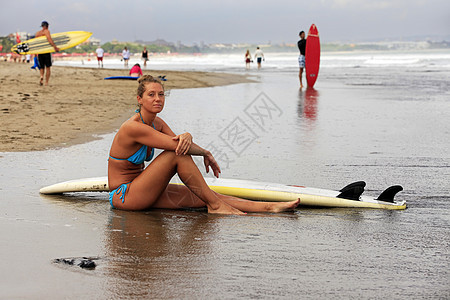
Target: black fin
352,191
389,193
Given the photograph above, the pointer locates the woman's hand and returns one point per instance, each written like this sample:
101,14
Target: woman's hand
184,143
209,161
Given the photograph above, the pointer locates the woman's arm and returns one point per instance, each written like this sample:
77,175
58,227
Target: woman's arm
195,149
184,139
146,135
167,140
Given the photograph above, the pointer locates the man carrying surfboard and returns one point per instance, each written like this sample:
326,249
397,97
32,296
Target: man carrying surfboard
301,58
45,60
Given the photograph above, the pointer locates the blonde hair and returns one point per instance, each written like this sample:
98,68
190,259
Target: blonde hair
143,80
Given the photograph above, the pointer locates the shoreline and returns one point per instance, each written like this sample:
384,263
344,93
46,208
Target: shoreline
77,104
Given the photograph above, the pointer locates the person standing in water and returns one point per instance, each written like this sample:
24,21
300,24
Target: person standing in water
45,60
145,56
248,59
259,56
100,52
125,56
136,187
301,58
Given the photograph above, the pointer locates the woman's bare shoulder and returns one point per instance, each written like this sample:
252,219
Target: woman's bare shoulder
129,124
159,123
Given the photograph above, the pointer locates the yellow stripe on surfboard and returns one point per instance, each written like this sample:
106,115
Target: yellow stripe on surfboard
40,45
305,199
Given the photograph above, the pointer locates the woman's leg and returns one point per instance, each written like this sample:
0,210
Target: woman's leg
259,206
179,196
145,189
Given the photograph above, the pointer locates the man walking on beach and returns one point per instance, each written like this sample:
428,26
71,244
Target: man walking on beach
100,53
45,60
301,58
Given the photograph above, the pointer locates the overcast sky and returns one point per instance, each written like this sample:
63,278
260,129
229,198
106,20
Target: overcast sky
213,21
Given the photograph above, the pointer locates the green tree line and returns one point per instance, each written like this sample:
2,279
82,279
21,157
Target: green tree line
108,47
7,44
118,48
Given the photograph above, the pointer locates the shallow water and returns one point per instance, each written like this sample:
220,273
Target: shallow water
385,126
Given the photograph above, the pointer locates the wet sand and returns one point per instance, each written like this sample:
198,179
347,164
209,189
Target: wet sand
347,130
77,104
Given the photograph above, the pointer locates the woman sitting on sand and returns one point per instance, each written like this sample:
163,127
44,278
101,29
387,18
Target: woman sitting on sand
134,187
136,71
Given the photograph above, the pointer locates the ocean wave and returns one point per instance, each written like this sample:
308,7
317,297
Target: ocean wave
280,61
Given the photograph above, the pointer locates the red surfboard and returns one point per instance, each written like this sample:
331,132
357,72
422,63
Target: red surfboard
312,55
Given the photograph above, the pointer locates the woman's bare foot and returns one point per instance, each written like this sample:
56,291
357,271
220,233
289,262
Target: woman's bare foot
41,81
284,206
224,209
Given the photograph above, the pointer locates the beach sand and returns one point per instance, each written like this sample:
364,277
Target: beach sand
77,103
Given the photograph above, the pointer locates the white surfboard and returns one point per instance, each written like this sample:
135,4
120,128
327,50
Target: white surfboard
349,196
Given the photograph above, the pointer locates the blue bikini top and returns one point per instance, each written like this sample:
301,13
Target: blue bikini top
141,155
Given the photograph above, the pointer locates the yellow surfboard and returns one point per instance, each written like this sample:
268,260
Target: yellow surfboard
40,45
261,191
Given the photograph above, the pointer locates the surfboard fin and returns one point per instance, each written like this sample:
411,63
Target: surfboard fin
388,194
352,191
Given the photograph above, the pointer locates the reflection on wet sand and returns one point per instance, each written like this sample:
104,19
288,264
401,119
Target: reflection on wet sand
307,105
154,253
307,118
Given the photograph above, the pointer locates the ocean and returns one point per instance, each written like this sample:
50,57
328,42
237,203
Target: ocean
381,117
430,59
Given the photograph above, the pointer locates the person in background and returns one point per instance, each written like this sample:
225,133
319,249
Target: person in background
45,60
125,56
28,58
259,56
301,58
145,56
100,53
248,59
15,57
36,63
136,71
